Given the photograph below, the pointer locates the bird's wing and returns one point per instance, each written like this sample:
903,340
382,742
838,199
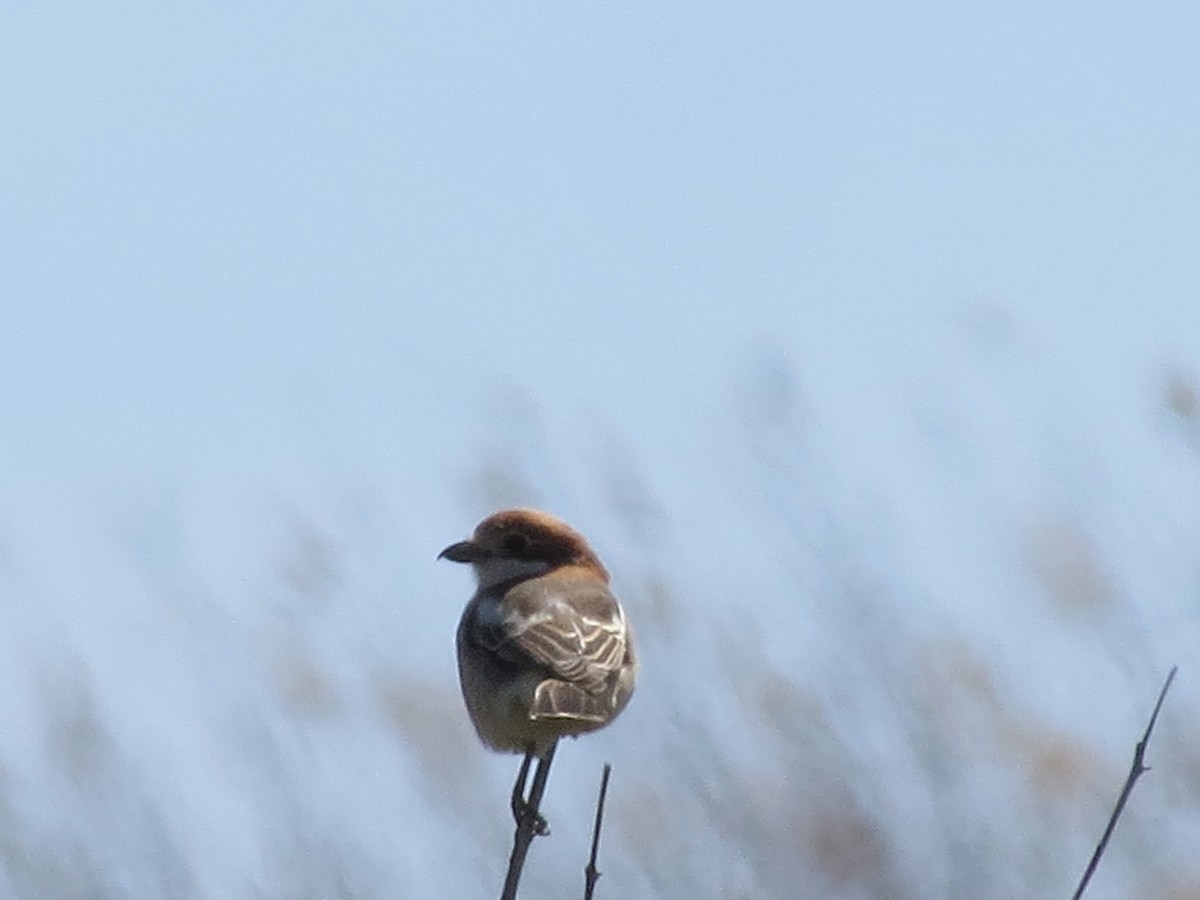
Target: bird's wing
575,631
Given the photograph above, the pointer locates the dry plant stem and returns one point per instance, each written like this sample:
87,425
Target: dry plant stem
591,874
529,818
1135,772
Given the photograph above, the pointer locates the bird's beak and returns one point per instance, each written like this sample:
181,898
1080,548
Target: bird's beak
463,552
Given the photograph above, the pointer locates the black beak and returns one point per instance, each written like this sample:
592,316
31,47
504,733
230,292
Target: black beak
463,552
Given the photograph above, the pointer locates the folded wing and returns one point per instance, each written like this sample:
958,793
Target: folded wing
575,632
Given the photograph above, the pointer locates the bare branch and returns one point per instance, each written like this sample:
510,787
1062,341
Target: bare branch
1135,772
530,823
591,873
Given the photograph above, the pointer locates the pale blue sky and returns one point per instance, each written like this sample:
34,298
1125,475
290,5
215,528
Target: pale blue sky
866,310
202,207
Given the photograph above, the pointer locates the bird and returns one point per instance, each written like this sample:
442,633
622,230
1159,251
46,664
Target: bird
545,650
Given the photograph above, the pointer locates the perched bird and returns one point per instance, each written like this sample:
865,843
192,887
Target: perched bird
544,649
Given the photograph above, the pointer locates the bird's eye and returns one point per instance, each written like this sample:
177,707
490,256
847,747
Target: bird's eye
515,544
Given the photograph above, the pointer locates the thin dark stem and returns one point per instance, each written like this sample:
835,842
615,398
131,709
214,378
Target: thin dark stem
591,873
530,823
1135,772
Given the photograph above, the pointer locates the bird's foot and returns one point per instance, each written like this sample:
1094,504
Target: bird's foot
523,812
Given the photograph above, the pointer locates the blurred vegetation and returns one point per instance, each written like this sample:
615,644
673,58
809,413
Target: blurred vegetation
810,722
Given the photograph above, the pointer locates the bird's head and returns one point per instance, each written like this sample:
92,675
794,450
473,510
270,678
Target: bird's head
522,543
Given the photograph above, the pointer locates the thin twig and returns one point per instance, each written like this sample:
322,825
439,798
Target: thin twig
1135,772
591,874
529,825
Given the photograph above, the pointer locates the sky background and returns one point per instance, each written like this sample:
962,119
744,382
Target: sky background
292,294
206,208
